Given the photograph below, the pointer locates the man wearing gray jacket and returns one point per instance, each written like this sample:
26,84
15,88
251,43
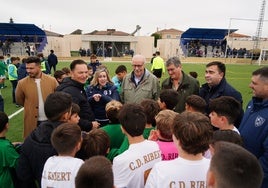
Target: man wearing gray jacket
139,84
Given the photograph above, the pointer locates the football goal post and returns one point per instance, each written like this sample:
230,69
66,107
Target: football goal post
263,56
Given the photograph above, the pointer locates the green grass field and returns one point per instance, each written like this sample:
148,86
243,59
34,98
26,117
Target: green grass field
237,75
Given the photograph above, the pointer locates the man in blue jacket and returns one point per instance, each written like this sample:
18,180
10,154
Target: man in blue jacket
217,86
254,125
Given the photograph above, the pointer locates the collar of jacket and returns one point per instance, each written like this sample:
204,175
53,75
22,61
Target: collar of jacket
185,82
220,87
144,76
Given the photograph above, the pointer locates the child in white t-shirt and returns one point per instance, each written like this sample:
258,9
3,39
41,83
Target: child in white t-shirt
191,134
61,170
224,112
131,167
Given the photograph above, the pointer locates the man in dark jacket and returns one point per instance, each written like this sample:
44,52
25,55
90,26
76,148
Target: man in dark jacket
184,84
74,85
217,86
52,60
254,125
37,147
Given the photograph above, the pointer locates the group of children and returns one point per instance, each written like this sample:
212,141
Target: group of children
143,145
59,154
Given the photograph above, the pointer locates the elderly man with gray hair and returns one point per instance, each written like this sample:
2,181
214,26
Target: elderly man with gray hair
184,84
139,84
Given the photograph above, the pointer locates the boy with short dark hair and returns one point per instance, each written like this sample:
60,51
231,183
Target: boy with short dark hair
61,170
195,103
130,167
8,155
224,112
234,167
121,72
168,99
96,172
37,147
74,118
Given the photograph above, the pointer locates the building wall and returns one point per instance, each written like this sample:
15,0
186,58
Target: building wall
248,44
56,44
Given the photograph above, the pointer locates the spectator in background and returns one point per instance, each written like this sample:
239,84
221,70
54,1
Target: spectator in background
90,76
216,86
52,60
1,98
152,59
22,73
158,66
120,72
94,62
139,84
3,70
44,64
184,84
13,76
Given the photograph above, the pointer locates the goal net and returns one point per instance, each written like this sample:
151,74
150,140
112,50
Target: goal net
263,57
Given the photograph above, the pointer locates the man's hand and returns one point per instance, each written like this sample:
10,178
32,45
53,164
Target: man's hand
95,124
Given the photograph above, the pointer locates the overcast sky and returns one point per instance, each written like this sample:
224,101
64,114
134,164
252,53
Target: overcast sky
123,15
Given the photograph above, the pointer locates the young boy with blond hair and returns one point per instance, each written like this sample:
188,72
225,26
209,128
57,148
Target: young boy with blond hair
191,134
163,134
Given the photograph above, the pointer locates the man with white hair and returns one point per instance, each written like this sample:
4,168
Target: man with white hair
139,84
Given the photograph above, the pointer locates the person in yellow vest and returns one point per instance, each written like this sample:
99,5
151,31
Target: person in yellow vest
13,75
158,67
44,64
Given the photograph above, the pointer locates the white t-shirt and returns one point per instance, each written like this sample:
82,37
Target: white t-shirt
60,171
178,173
41,110
130,167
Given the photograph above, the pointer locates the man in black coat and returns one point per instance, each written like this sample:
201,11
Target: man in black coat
52,60
217,86
74,85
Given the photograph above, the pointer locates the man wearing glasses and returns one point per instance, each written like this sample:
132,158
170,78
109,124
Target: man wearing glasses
139,84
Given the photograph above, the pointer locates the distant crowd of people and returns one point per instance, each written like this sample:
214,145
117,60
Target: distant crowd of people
83,128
